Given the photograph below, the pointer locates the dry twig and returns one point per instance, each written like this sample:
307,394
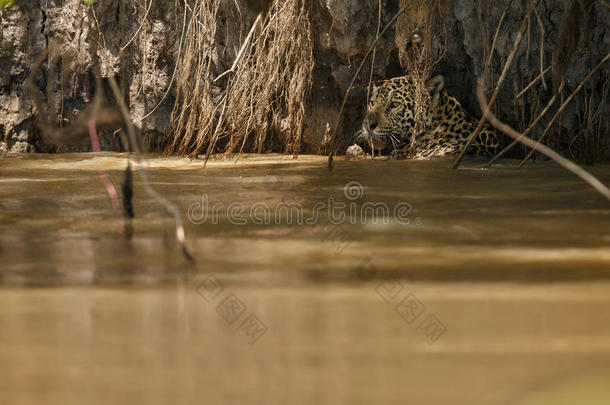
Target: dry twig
507,65
171,208
526,88
566,163
331,154
565,103
527,131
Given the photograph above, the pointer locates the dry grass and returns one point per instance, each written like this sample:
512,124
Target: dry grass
264,93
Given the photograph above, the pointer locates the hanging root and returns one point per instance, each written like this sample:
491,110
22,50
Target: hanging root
264,91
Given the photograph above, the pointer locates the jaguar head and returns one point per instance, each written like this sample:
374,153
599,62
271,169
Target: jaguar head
391,111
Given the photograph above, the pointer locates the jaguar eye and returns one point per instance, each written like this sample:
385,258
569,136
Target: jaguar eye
395,104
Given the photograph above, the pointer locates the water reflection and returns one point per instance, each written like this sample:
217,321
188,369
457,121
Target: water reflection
323,344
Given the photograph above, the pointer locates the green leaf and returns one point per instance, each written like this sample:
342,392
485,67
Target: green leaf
6,3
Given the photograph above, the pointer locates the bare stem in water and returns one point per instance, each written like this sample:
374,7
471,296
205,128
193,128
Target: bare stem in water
171,208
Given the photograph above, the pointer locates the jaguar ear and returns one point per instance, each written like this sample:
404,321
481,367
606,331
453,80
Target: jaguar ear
434,86
377,84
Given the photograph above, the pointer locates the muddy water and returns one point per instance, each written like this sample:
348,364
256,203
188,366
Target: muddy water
380,282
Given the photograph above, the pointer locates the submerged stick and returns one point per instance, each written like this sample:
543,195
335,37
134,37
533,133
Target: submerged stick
128,213
351,85
128,192
566,163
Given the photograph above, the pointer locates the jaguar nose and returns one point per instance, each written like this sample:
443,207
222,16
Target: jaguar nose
372,123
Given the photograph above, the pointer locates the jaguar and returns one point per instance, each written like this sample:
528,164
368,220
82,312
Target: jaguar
445,124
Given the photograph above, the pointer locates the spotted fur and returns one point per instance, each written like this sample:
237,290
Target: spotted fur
391,121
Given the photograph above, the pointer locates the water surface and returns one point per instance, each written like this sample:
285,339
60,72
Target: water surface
512,266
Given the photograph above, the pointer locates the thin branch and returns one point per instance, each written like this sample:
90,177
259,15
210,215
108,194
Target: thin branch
528,130
171,81
368,87
541,57
242,49
565,103
331,155
493,43
171,208
540,76
566,163
138,30
507,65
